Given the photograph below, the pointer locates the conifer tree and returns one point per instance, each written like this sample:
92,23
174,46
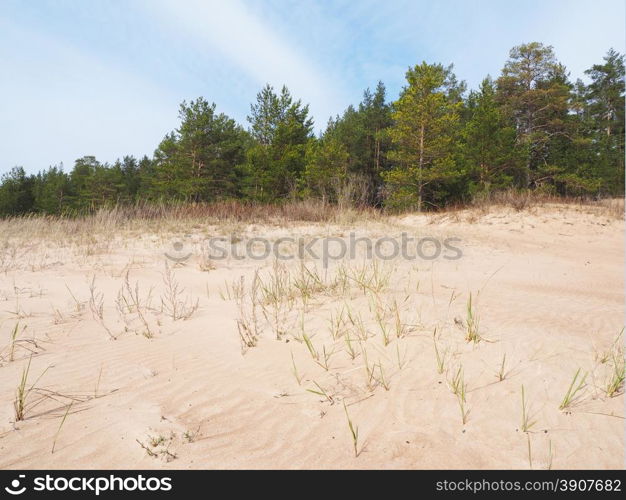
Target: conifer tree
425,132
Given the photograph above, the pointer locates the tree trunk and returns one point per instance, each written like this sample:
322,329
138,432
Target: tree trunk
377,143
420,185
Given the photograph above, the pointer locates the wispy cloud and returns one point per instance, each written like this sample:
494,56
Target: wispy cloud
251,44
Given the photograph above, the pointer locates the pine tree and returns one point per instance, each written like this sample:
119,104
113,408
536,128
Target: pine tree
488,143
326,169
83,195
426,126
201,160
605,107
51,191
282,129
534,92
16,192
363,131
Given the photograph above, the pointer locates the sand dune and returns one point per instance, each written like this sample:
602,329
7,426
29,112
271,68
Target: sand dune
176,389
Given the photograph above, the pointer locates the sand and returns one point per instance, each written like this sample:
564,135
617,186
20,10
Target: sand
547,288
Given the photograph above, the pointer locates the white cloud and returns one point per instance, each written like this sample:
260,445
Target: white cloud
258,51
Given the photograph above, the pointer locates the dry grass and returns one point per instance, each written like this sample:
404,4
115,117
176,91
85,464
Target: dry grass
521,200
142,214
248,303
95,232
174,302
96,306
129,301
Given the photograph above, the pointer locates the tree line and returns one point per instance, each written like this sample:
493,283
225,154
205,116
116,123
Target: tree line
532,128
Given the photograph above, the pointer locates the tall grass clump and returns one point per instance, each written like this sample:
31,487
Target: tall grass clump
472,322
22,402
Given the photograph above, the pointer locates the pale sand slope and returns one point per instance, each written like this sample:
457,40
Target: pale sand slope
547,286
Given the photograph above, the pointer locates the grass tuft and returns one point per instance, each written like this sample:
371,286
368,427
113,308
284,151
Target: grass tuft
527,423
354,432
472,333
502,374
575,387
21,404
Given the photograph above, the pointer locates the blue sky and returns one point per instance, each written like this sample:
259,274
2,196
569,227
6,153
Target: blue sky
105,77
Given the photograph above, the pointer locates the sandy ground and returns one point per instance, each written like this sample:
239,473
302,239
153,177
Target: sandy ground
386,348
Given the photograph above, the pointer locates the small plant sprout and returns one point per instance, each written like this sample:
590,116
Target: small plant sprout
14,334
191,436
158,446
459,389
78,305
527,423
502,373
95,391
463,406
616,349
350,347
384,382
615,386
15,342
156,440
354,432
247,323
401,328
401,359
336,323
309,345
359,326
575,387
148,451
472,320
380,319
369,371
322,392
440,357
56,436
457,384
295,370
325,358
